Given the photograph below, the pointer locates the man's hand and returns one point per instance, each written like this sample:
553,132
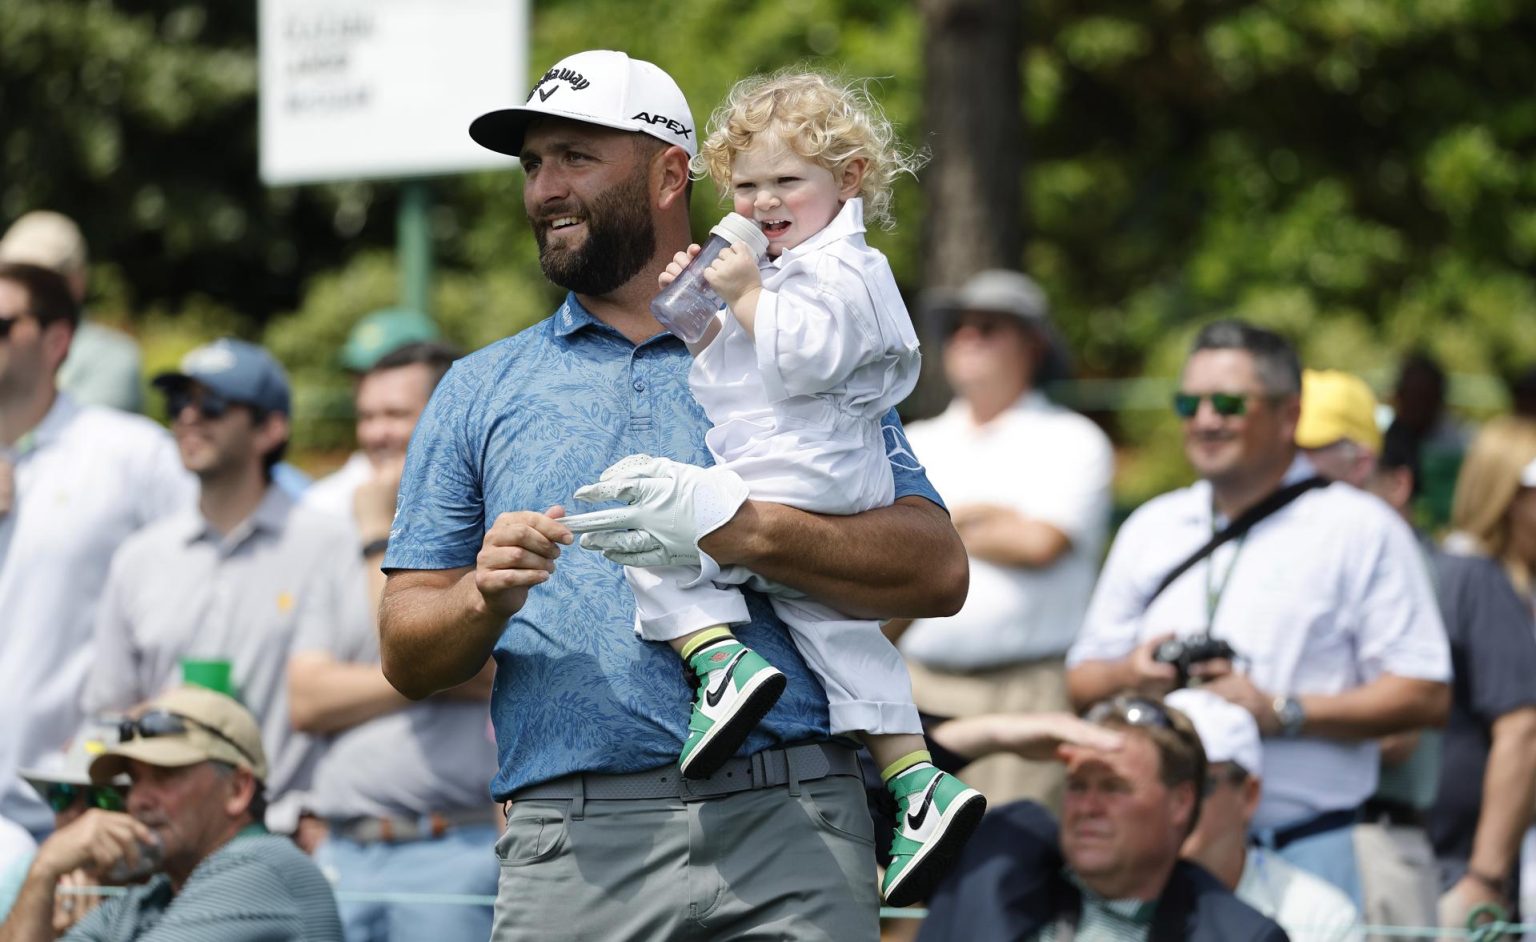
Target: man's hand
1457,903
1152,677
675,267
671,507
1030,736
93,842
733,274
373,503
1239,689
70,908
518,553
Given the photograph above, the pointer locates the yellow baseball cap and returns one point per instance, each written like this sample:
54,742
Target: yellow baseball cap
183,727
1336,405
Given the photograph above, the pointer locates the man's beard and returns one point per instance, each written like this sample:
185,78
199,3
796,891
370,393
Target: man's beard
620,242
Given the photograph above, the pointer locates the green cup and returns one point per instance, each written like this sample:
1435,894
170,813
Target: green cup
215,675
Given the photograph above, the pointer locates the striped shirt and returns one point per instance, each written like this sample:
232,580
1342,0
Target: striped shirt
256,888
1103,920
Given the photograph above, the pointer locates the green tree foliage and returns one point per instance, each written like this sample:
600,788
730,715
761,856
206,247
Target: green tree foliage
1356,173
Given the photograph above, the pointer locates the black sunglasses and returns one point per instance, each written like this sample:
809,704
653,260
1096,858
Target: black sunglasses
160,723
1225,404
62,796
1137,711
6,325
985,324
209,404
1234,774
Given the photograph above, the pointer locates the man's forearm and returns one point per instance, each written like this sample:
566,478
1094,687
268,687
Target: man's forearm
904,560
326,695
1389,704
1092,681
31,916
1509,788
435,631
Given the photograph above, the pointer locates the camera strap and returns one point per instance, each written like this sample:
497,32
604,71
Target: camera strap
1245,521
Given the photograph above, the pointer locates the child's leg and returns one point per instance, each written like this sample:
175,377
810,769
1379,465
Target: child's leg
866,681
736,687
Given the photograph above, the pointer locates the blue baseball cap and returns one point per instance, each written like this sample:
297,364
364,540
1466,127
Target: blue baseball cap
237,370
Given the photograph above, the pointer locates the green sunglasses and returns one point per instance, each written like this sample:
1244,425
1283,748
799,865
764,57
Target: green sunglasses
62,795
1225,404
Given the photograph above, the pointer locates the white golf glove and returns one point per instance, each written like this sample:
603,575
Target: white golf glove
671,507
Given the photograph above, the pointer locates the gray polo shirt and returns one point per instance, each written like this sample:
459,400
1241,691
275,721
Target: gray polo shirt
436,755
279,581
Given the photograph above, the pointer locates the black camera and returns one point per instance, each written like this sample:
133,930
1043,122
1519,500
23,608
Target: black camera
1184,653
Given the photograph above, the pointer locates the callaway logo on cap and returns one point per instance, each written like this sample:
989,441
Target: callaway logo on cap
601,87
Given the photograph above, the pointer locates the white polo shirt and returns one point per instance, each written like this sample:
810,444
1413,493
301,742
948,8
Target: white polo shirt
1048,463
86,478
1325,595
333,494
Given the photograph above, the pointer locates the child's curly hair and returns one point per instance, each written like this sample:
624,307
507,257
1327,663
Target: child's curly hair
823,118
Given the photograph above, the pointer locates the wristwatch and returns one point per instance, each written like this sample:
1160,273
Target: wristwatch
1290,714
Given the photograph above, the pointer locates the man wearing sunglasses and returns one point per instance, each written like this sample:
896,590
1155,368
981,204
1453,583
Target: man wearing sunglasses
75,482
1027,482
247,578
192,831
1325,601
1111,869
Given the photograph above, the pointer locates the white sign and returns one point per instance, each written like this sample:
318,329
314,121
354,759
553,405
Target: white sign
385,88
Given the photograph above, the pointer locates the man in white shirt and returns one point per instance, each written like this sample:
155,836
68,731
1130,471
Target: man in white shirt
1326,602
1028,485
247,577
75,481
1305,906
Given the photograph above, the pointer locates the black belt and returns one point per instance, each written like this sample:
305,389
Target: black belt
1322,824
1394,813
770,768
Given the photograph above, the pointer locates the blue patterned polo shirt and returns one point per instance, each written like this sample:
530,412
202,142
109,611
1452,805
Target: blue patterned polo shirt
520,425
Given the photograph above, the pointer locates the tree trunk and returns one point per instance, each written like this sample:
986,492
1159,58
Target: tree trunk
974,118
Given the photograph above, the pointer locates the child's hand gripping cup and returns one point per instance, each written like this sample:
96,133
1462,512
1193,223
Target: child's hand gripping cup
688,304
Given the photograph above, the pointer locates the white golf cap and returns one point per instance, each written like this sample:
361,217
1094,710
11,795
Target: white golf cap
1227,731
602,87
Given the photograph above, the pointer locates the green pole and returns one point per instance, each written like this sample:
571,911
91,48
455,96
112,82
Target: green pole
414,246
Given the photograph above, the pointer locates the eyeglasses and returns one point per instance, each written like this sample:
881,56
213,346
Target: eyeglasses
1137,711
157,723
1225,404
985,325
1233,774
62,796
209,404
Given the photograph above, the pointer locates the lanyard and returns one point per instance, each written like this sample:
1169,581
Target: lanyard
1213,593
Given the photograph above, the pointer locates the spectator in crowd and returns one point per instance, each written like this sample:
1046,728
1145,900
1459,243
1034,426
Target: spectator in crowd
75,481
402,787
384,420
103,367
1488,777
391,394
1305,906
1028,486
247,577
1337,431
63,780
1325,601
588,719
1113,872
1337,428
193,827
1419,412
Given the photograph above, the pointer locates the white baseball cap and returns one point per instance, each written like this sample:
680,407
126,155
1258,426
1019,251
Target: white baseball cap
602,87
1227,731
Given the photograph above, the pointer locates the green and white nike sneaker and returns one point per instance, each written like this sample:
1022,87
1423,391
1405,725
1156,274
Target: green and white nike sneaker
736,689
936,814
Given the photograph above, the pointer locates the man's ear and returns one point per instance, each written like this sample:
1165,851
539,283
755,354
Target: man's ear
669,176
57,337
1253,793
241,785
851,177
273,430
1183,798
